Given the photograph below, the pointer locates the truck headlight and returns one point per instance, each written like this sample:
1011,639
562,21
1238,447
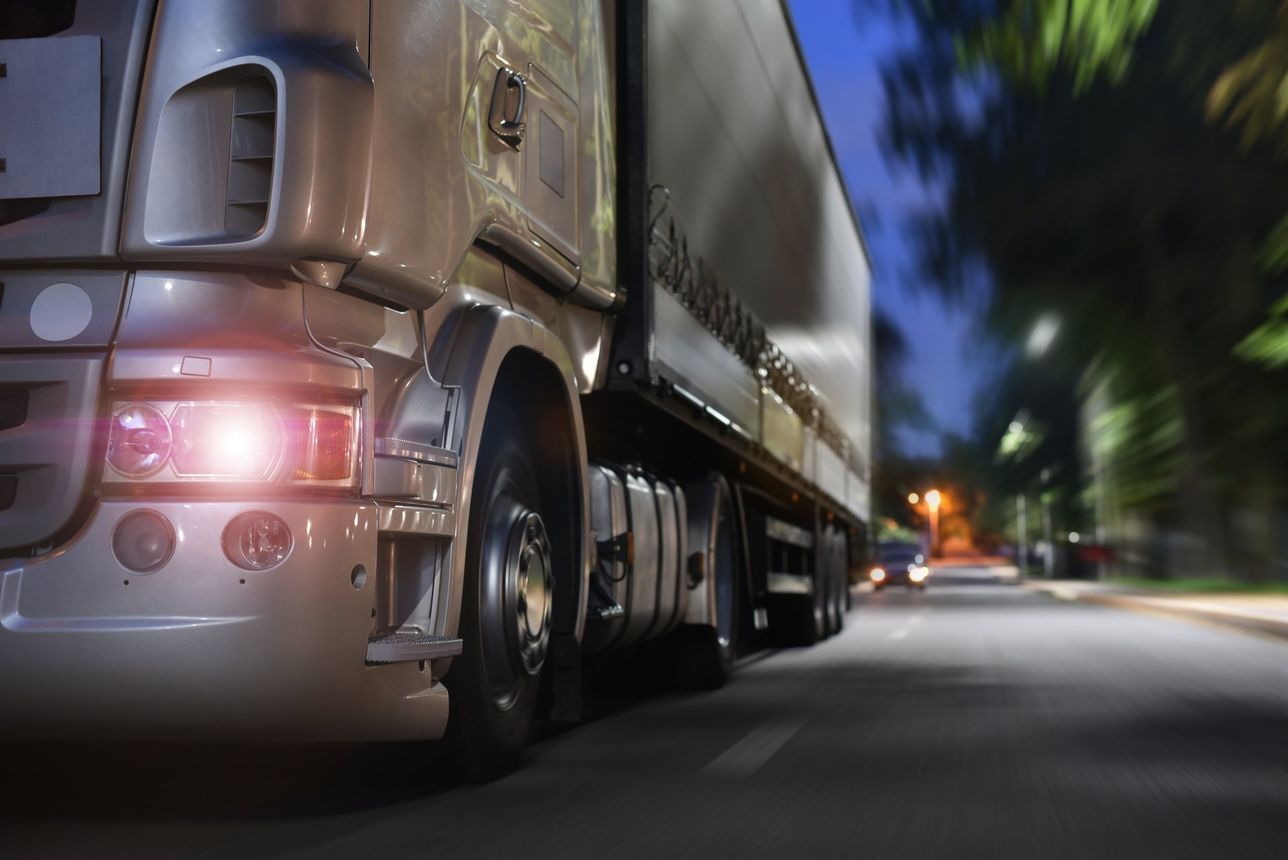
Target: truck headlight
232,442
225,440
138,443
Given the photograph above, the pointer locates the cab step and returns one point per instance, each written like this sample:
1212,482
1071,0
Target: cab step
411,647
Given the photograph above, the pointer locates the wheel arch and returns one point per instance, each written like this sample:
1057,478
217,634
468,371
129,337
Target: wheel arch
488,352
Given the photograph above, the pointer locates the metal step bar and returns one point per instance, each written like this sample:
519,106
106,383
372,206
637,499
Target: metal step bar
411,647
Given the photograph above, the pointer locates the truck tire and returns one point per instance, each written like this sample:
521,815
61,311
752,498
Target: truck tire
835,611
505,607
799,620
704,656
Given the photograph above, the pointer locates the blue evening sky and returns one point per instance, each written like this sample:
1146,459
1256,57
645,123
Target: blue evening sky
845,43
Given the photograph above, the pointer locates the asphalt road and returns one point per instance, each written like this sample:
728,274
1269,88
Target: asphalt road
975,720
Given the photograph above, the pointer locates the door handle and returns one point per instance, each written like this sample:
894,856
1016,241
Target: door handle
509,128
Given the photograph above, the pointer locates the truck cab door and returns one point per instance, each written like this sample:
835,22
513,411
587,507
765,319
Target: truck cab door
550,166
521,129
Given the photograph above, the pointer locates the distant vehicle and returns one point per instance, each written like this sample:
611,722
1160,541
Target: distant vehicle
899,564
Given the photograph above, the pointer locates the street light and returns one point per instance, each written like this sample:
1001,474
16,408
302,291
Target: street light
1042,335
933,499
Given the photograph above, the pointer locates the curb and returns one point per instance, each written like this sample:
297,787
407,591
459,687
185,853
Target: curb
1269,625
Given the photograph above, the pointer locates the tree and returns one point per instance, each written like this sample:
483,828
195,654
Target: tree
1087,178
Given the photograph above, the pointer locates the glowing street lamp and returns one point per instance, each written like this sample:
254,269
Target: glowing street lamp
933,500
1042,336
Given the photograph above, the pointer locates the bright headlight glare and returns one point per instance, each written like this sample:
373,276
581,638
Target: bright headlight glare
219,441
877,574
226,440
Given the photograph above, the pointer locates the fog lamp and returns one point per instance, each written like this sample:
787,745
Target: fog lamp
143,541
257,540
139,441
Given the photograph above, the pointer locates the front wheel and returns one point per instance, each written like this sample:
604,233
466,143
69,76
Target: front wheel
505,607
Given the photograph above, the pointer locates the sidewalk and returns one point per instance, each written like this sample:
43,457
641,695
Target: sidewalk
1263,613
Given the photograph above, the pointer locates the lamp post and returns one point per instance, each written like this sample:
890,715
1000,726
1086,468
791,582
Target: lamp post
1048,558
933,498
1022,533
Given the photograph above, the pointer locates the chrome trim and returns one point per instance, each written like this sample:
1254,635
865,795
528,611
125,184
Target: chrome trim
557,274
789,583
426,483
788,533
389,447
415,520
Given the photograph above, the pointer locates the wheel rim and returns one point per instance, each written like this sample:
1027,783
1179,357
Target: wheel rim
515,599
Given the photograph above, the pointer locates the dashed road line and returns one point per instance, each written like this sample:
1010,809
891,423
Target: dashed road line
746,757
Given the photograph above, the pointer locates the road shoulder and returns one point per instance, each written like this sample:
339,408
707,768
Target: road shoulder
1266,615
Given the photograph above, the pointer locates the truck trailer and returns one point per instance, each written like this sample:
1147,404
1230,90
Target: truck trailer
372,369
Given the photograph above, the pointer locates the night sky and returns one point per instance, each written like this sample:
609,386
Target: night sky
845,43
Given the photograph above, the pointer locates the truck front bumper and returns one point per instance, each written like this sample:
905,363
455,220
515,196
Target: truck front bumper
202,648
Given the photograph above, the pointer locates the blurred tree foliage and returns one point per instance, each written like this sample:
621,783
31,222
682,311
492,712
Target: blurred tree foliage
899,408
1116,163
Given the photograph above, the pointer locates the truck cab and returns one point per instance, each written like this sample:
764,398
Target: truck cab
330,335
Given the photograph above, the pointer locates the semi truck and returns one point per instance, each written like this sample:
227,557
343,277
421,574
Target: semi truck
375,369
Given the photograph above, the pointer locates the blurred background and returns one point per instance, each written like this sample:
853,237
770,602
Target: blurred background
1079,225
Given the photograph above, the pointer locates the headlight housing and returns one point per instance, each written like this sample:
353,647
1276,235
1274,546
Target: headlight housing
877,574
238,442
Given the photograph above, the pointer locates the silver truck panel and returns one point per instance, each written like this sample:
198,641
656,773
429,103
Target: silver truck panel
56,309
735,136
87,227
150,655
254,134
585,332
695,359
782,431
641,605
608,521
670,552
251,328
50,100
431,200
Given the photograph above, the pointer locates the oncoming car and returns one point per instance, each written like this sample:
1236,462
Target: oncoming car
899,564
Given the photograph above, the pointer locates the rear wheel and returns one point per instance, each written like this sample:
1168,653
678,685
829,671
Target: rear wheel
505,607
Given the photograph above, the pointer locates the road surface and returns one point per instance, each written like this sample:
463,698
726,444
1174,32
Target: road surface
975,720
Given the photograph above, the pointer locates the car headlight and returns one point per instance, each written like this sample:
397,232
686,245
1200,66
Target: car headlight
877,574
232,442
917,574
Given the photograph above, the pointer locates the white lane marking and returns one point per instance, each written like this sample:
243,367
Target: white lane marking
745,757
918,618
901,633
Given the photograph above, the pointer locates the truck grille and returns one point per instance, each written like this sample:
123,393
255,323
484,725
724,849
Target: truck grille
47,409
